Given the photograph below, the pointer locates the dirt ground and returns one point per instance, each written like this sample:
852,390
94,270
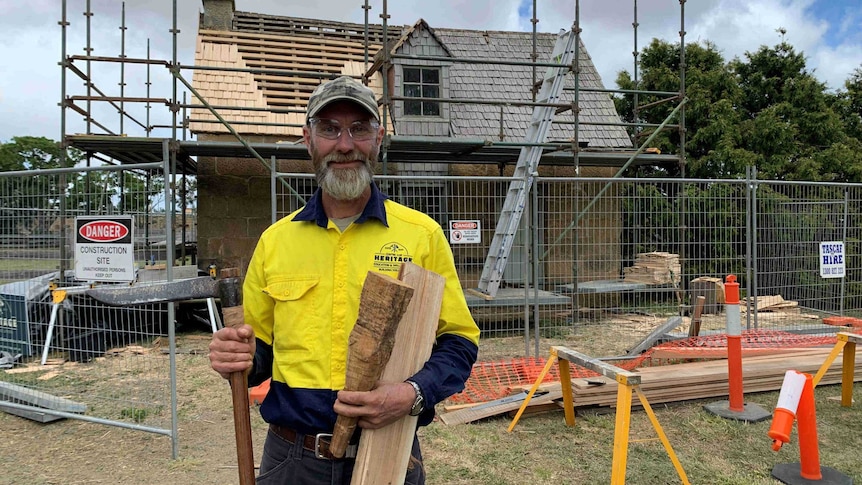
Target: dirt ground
76,452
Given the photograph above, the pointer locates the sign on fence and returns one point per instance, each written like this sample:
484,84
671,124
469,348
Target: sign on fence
104,248
465,232
832,259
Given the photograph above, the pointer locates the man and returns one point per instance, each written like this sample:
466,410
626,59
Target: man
301,300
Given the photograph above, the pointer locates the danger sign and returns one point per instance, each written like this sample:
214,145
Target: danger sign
104,248
465,232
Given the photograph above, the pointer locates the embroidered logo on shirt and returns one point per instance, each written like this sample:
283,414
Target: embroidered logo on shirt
390,257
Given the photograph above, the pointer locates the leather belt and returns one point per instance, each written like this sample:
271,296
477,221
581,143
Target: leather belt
317,444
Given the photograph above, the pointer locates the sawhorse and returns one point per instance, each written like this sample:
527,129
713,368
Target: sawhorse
628,382
846,342
58,296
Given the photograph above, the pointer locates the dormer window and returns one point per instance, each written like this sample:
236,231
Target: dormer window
421,83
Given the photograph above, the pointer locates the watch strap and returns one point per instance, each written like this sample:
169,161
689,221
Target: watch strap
419,402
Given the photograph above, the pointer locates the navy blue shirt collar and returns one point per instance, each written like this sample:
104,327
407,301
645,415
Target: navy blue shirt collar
313,210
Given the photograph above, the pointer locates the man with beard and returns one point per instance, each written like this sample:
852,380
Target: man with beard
301,300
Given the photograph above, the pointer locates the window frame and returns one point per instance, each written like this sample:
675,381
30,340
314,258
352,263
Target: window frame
426,108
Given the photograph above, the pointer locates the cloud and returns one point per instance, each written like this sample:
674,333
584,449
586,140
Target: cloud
31,44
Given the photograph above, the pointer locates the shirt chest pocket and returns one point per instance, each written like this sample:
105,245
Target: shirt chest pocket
297,323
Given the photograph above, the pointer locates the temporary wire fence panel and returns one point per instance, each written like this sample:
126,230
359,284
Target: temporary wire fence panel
68,352
597,250
793,221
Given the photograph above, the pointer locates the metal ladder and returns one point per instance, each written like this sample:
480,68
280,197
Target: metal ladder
528,160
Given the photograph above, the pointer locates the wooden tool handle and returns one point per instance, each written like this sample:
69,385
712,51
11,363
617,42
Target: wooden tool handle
233,317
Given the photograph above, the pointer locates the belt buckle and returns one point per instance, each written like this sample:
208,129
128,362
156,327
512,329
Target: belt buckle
317,443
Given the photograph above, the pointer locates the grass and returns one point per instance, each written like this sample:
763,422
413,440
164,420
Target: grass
541,449
137,415
28,264
712,450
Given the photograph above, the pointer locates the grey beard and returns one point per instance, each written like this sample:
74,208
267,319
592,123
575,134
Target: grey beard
344,183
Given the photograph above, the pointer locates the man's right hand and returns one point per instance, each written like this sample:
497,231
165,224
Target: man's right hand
232,350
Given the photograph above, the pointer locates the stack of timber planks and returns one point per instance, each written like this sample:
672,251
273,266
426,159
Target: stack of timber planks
774,303
679,382
699,380
655,268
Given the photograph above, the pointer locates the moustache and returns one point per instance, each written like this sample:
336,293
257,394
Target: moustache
346,157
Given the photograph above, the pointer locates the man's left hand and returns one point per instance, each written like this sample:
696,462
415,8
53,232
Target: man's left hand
387,403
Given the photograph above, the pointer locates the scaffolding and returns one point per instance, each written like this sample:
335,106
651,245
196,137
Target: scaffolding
177,153
118,147
110,146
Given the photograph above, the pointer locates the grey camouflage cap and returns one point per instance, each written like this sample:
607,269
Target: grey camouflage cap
342,88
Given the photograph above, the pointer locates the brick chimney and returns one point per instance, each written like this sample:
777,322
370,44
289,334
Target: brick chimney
218,14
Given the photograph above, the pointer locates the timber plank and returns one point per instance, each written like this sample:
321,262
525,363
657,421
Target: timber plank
471,414
312,66
383,453
276,39
278,54
694,380
382,304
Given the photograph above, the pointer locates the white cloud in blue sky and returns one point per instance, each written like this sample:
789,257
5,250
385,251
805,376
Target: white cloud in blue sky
828,32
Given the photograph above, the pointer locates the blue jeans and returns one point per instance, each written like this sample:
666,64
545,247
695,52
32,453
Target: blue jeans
289,463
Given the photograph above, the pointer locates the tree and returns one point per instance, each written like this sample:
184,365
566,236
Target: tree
712,91
34,153
765,110
790,121
848,104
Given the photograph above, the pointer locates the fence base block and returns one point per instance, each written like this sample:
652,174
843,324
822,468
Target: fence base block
751,413
789,473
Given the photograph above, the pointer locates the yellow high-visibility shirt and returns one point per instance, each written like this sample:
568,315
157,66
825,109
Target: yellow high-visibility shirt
301,295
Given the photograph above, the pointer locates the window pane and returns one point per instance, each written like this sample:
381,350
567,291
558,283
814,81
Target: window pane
431,109
430,91
431,76
411,75
412,108
412,90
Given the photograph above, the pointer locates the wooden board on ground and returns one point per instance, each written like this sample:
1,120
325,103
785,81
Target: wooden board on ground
471,414
679,382
694,326
384,453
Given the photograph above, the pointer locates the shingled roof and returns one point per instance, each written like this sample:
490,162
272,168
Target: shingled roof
260,41
283,43
495,82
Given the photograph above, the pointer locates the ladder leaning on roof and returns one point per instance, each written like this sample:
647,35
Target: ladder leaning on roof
528,160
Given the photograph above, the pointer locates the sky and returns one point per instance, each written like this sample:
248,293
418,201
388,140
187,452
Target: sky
827,32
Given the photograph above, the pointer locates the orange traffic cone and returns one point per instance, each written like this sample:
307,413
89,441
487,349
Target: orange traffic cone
796,401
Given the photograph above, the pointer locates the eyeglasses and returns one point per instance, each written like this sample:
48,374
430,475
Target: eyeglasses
331,129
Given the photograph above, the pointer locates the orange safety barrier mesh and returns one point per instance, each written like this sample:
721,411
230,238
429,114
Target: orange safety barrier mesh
843,321
497,379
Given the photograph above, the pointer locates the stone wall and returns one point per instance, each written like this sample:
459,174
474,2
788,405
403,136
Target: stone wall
234,207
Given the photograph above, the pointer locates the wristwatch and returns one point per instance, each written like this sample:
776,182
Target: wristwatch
419,403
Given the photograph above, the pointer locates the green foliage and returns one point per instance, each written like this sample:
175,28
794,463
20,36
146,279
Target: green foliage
34,153
765,110
31,204
848,105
